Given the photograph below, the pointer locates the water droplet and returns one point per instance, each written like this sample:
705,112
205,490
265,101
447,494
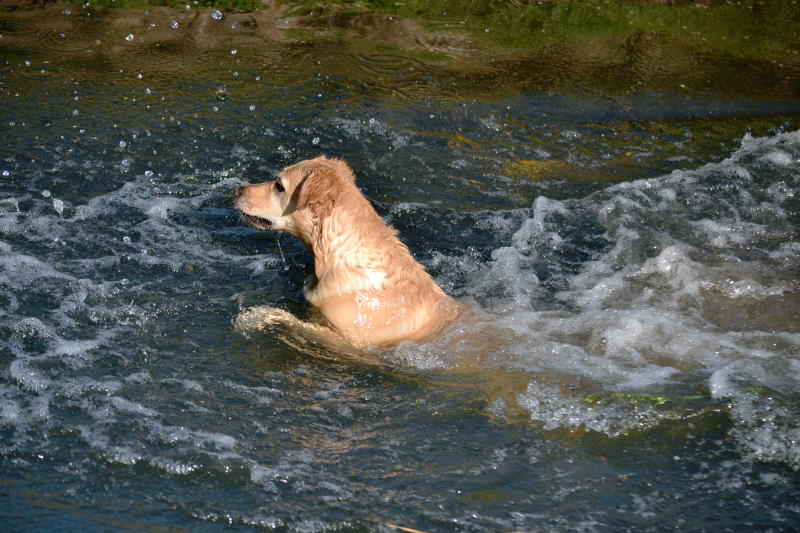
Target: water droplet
148,173
139,75
27,63
174,24
126,240
123,144
233,52
148,91
74,112
67,12
129,37
46,193
252,107
58,205
216,14
258,78
234,26
315,140
6,173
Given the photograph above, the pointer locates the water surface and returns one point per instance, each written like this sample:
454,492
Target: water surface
634,253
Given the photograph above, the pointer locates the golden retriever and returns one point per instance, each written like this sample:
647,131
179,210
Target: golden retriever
366,283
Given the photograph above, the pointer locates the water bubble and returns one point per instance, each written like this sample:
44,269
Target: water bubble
252,107
27,63
233,52
58,205
258,78
46,193
6,173
126,240
216,14
148,173
234,26
123,144
174,24
67,12
139,76
315,140
148,91
129,37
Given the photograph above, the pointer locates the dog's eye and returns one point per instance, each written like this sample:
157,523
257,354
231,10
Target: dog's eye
279,186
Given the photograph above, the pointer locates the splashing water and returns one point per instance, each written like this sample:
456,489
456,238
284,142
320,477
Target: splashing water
632,365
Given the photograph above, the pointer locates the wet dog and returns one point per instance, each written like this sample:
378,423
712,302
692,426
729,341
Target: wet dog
366,284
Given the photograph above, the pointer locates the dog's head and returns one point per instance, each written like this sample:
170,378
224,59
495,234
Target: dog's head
302,195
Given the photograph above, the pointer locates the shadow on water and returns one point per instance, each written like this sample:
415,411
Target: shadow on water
613,187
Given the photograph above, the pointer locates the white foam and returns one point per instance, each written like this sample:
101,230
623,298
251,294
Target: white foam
127,406
27,376
654,305
779,158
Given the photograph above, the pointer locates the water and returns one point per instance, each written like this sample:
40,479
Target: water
633,257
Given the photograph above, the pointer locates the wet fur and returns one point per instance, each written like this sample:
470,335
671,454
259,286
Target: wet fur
366,283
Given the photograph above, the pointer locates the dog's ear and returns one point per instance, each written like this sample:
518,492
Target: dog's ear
318,190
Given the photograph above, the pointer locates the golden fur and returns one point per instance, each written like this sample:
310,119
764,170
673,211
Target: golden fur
366,283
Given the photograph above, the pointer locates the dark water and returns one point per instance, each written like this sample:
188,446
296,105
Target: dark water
635,255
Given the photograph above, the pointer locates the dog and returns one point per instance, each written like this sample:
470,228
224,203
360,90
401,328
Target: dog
366,284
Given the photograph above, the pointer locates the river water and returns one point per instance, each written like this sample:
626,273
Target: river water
633,255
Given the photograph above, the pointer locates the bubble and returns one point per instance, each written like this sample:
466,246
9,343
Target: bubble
58,205
216,14
46,193
67,12
148,173
126,240
252,108
129,37
123,144
315,140
174,24
234,52
6,173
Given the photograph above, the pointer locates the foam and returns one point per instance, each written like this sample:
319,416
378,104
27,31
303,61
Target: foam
27,376
654,304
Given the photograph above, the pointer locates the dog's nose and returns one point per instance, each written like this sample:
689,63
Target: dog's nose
237,192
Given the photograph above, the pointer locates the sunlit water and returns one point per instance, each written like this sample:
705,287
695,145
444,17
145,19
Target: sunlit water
635,365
